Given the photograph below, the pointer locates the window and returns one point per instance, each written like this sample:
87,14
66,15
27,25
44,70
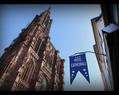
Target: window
49,58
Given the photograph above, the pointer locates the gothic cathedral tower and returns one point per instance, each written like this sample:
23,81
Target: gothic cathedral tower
31,62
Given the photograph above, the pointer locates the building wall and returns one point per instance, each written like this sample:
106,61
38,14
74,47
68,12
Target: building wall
110,14
99,47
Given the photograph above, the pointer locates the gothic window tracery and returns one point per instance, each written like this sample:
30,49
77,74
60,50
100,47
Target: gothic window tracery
48,58
58,66
42,83
28,70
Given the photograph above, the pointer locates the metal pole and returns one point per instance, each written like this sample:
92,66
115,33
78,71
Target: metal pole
90,52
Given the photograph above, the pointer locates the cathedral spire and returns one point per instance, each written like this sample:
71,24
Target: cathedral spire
46,12
20,68
49,8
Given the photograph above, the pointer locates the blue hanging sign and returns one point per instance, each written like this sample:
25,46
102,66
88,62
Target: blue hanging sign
78,63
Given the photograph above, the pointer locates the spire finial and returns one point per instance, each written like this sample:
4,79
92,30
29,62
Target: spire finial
49,8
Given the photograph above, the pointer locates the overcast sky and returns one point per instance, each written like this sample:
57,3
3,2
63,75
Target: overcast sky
70,32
